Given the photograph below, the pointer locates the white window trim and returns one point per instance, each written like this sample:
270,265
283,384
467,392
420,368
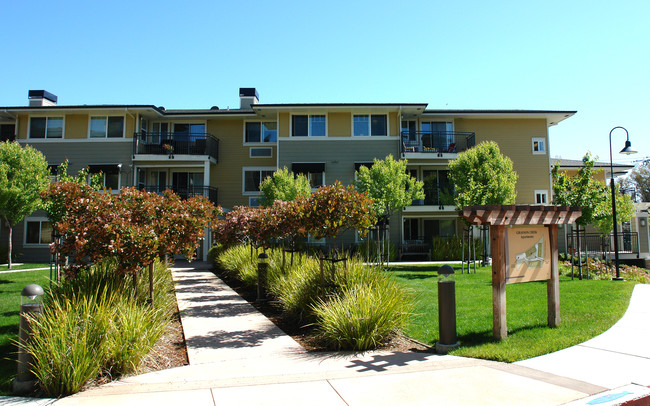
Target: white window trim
29,128
249,169
309,136
250,153
261,143
33,219
106,137
543,192
369,125
544,143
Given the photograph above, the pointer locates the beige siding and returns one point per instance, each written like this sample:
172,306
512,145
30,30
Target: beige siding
76,126
283,127
514,137
233,156
339,125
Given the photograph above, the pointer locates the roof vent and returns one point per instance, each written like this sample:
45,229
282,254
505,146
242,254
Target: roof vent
214,108
247,97
39,98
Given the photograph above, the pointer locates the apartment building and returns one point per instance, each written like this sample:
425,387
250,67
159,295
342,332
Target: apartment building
225,153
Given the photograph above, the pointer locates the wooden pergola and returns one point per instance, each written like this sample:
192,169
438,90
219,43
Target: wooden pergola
500,216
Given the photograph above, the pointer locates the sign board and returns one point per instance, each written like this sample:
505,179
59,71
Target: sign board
528,254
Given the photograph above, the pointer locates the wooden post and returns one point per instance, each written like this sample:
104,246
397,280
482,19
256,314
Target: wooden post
499,322
553,284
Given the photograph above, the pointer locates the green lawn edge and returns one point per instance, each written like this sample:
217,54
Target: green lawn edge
587,309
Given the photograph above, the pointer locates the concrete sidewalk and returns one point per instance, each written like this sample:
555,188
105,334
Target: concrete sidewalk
237,356
619,356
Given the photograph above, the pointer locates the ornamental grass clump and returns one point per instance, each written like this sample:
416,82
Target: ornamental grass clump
365,313
96,325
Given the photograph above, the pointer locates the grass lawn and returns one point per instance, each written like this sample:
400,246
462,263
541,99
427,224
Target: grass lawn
15,267
11,284
587,308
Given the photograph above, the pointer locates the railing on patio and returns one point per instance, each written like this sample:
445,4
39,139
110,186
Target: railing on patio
441,194
437,141
186,191
595,244
176,143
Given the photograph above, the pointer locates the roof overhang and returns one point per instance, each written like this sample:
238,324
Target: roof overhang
553,117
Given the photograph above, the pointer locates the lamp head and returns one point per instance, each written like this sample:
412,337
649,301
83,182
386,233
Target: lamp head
32,291
628,148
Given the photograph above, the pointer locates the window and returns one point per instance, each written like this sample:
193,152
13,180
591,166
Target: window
46,127
539,146
266,131
541,197
38,231
7,132
110,174
308,126
261,152
315,172
369,125
106,127
254,201
253,178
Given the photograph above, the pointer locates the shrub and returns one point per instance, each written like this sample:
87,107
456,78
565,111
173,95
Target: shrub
602,270
365,313
97,324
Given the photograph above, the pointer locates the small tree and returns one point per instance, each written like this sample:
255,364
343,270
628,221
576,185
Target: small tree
389,186
23,173
284,186
640,178
482,175
593,197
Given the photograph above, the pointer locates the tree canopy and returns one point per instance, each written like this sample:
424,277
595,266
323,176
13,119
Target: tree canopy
482,175
23,173
388,185
640,178
283,186
594,197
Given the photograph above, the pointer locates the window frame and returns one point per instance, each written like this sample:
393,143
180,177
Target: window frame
40,221
250,153
259,169
309,130
370,134
47,118
261,141
106,118
544,193
539,140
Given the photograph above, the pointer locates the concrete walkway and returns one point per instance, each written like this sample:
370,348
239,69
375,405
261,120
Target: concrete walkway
237,356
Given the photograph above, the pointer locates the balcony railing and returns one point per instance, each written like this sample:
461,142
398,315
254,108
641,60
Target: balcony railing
441,194
603,245
185,191
171,144
438,142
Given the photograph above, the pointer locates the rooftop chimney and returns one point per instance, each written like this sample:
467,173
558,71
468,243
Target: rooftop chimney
247,97
41,98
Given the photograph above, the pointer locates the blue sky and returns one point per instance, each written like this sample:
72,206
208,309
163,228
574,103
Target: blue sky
593,57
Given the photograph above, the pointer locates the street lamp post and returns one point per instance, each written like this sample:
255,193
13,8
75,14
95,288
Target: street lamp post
627,150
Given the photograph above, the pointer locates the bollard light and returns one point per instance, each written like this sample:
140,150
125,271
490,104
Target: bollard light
30,306
262,270
446,310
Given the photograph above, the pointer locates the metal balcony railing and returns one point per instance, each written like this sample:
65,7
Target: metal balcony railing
437,141
603,245
175,143
440,194
185,191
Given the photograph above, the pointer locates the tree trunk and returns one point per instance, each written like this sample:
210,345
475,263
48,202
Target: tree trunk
151,283
9,248
579,252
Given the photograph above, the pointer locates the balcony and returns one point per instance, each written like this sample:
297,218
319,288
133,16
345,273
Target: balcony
185,191
171,144
437,142
441,195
